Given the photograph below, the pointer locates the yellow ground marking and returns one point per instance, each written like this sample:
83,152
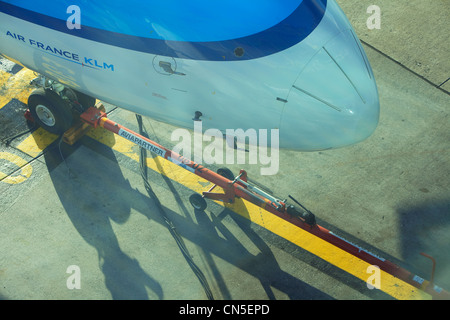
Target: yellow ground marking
328,252
37,142
320,248
15,86
33,146
19,176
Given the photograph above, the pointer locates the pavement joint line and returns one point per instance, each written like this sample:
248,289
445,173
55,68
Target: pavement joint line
38,141
23,166
444,82
4,177
237,206
352,265
439,87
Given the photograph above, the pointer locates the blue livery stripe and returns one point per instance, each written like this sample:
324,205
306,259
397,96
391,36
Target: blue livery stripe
282,35
178,20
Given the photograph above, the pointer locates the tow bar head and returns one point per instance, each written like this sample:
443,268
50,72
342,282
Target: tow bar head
307,216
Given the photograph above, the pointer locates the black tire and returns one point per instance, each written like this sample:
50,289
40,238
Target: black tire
85,100
50,111
198,202
227,173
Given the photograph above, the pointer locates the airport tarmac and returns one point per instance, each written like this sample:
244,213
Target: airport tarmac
84,209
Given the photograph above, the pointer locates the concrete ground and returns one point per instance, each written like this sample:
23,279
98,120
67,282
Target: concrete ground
412,33
83,209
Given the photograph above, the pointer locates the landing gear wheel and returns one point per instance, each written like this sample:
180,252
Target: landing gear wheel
50,111
226,173
198,202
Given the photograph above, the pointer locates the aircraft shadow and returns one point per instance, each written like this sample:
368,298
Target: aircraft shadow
92,195
204,230
92,190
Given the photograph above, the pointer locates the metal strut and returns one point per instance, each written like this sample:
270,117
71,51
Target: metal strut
240,187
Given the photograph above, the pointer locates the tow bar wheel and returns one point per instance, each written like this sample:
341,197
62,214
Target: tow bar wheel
50,111
227,173
198,202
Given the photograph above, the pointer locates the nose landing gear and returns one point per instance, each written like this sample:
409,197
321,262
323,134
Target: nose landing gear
55,107
50,111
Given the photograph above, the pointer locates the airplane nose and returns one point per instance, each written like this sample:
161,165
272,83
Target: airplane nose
334,101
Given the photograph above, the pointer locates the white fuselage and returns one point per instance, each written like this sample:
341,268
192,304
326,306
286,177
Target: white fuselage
320,93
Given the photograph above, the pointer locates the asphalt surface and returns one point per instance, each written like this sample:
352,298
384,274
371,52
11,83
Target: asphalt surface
84,209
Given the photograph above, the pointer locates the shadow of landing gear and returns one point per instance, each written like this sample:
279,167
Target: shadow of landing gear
216,239
92,191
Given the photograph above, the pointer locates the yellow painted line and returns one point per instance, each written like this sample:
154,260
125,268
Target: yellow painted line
5,96
15,86
21,175
4,76
328,252
157,164
320,248
34,144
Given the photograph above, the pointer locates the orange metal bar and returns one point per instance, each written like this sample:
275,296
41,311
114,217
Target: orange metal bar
237,188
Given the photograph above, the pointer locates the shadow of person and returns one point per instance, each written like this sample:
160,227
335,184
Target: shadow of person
94,194
425,228
125,278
